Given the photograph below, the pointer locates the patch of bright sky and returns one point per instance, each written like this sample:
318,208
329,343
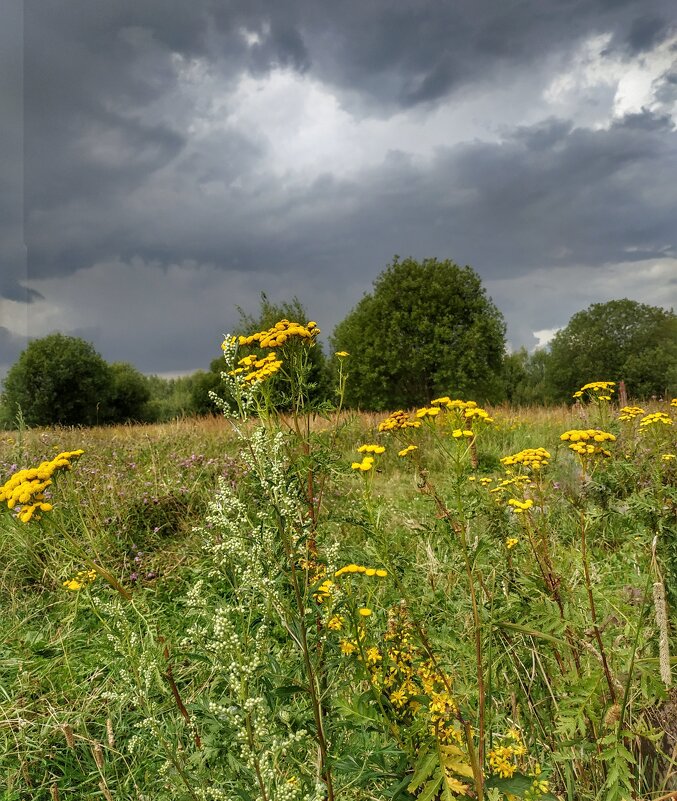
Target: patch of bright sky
306,130
596,76
553,294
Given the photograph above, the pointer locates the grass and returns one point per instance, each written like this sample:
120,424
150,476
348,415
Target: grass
209,670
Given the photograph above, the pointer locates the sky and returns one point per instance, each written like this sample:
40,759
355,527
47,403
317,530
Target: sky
164,162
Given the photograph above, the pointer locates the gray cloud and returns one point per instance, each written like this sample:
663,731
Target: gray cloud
135,158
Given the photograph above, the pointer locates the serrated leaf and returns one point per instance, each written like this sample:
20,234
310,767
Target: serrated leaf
425,765
462,768
430,790
516,785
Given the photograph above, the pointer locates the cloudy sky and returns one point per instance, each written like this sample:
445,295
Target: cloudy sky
165,161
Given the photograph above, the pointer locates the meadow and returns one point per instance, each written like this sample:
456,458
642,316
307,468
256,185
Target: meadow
446,603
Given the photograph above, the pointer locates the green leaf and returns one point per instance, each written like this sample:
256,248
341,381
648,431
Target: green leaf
516,785
431,789
425,764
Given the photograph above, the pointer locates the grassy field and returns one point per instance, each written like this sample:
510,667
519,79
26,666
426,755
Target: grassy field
230,609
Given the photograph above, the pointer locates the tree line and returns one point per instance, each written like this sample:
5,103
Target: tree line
427,328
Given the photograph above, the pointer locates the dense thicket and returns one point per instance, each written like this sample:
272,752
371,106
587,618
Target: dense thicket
59,380
427,329
620,339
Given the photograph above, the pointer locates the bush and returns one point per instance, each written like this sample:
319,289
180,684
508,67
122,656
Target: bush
427,329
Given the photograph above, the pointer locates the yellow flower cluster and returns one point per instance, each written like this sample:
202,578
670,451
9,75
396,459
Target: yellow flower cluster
371,449
520,506
507,482
342,354
367,461
397,420
406,451
598,390
511,542
427,411
450,404
323,591
673,402
280,333
654,419
80,580
484,481
504,759
587,442
534,458
457,433
477,413
259,369
630,412
26,487
367,571
668,457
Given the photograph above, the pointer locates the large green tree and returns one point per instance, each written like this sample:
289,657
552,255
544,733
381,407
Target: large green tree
620,339
427,329
59,379
128,395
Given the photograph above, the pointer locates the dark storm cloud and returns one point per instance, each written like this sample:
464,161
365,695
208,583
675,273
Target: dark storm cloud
547,194
99,78
115,172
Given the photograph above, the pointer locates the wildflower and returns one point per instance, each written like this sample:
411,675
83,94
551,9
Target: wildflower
368,571
371,449
520,506
342,354
397,420
406,451
365,611
323,591
673,402
531,458
455,404
476,413
428,411
398,698
373,655
511,542
25,488
667,457
597,390
335,623
347,647
280,333
587,442
630,412
654,419
80,580
366,464
457,433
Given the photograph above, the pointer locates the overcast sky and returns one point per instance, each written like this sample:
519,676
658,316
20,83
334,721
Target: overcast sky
164,161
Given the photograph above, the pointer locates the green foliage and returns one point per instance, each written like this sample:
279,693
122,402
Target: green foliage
427,329
128,395
621,339
59,380
524,377
202,384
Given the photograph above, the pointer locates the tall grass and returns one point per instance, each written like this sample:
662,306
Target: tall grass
270,622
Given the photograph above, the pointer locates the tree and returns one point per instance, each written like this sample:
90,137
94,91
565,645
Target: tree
59,380
620,339
427,329
524,376
128,395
